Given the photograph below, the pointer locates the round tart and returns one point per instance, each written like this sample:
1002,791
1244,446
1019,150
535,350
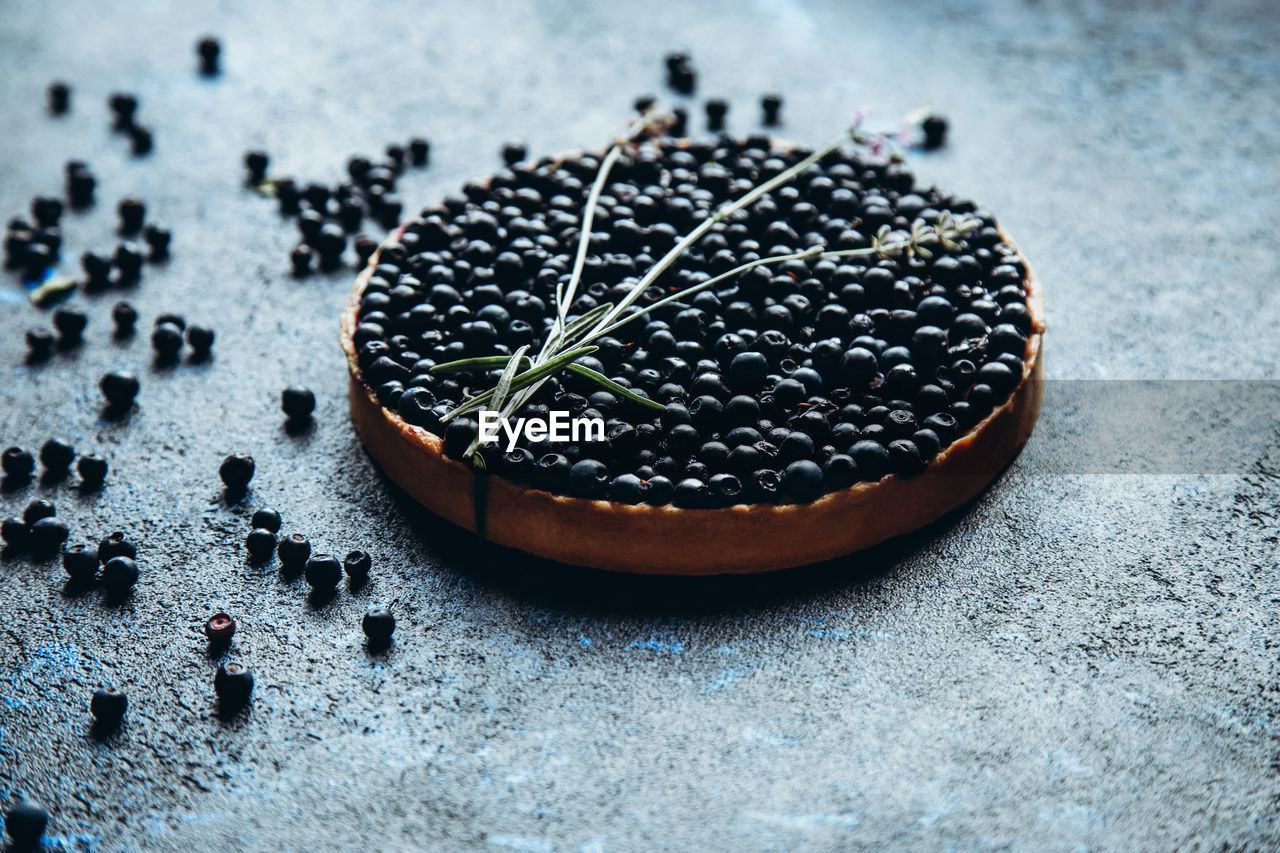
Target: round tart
809,409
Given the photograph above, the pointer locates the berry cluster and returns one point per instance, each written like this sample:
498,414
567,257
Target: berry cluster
33,250
326,216
56,456
323,572
124,111
167,335
786,382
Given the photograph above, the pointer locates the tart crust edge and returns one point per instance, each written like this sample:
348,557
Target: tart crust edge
668,540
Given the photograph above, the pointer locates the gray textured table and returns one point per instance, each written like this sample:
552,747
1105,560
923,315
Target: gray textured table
1082,660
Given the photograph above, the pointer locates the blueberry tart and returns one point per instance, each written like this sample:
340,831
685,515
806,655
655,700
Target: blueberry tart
786,355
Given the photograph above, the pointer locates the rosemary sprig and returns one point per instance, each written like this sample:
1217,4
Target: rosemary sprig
570,339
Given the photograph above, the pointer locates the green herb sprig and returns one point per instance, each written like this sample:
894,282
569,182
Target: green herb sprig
569,339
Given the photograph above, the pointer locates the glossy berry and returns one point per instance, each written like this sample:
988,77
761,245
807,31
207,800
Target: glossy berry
108,707
260,543
589,478
120,573
166,340
93,471
323,571
220,628
233,685
15,533
357,565
293,551
56,456
378,624
236,471
200,338
802,481
748,370
132,212
297,402
266,519
26,823
119,388
47,536
38,509
17,463
117,544
80,562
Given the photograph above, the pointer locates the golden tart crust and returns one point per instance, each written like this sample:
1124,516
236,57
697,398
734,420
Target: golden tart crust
668,540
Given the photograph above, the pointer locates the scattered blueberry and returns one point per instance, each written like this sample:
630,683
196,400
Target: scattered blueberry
108,707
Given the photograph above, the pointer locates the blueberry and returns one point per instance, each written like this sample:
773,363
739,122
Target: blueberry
93,471
47,536
589,478
108,706
39,344
132,212
166,340
56,456
15,533
293,551
124,316
802,481
266,519
357,565
120,573
26,823
839,472
255,164
17,463
260,543
904,457
871,457
80,562
323,572
748,370
236,471
233,685
208,49
220,628
117,545
627,489
201,340
297,403
38,509
119,388
70,324
378,624
59,98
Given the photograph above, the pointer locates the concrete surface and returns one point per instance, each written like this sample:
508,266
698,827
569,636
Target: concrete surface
1083,660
